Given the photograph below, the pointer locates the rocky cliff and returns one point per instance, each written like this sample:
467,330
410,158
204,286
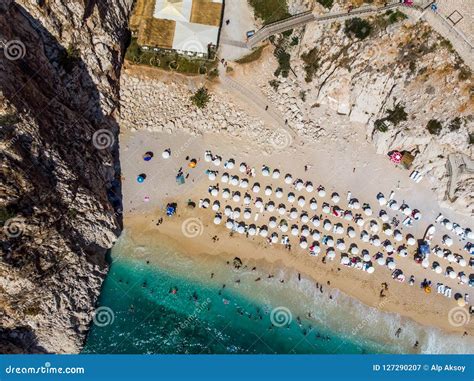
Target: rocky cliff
59,193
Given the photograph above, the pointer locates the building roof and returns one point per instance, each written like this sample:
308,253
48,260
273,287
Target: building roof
187,25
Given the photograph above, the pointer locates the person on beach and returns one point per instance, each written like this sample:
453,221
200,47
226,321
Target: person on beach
398,332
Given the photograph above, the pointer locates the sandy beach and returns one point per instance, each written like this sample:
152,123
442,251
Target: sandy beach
359,170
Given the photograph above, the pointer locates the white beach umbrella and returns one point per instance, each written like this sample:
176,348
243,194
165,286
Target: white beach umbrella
381,199
462,262
341,245
303,244
279,193
294,230
330,254
452,274
272,223
211,175
403,252
417,215
243,168
276,174
406,211
205,203
225,178
448,225
364,236
335,198
391,265
217,220
309,187
229,164
321,192
256,188
293,213
208,156
469,234
464,279
397,235
271,206
301,201
166,154
265,171
226,193
283,227
315,221
216,161
370,269
374,226
326,209
388,231
411,241
355,204
304,218
368,211
376,241
345,260
338,229
313,204
281,209
288,178
258,203
316,248
351,232
348,215
229,224
236,197
393,205
247,199
384,216
425,263
244,183
366,257
274,237
316,235
439,252
354,250
252,230
241,229
450,257
268,190
214,192
228,211
247,214
216,205
359,221
330,242
447,240
305,231
299,184
438,270
263,232
327,225
291,197
236,213
234,180
381,261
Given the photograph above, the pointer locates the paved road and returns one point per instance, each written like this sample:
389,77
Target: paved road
307,17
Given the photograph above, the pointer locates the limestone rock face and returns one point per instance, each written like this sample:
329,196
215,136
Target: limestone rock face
59,195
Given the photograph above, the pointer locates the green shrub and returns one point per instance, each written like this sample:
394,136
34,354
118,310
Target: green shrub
274,83
9,119
311,61
252,56
270,10
434,127
380,125
396,16
69,58
201,97
455,124
283,59
397,115
326,3
357,27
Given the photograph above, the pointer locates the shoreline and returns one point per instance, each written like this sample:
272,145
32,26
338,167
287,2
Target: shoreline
420,310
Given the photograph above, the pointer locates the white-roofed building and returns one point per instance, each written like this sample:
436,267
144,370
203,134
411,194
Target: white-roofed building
187,26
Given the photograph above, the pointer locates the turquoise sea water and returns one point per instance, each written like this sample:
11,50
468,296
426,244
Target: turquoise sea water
138,311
